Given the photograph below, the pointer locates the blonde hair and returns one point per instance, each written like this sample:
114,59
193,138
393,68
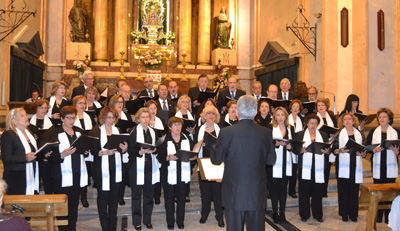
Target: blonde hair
12,114
183,97
355,120
56,85
274,122
92,89
210,109
140,112
3,187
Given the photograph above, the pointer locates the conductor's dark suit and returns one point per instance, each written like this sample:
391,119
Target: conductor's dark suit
245,148
226,93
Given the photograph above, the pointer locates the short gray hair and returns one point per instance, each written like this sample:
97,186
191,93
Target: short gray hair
86,73
247,107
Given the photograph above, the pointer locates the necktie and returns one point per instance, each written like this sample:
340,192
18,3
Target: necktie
151,93
232,94
257,97
164,106
284,96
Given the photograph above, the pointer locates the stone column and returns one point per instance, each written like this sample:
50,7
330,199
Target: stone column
185,30
100,30
120,29
204,32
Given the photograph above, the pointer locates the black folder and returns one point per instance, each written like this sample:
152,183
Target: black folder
293,142
354,147
310,107
329,130
185,155
132,106
84,143
47,147
278,103
125,125
91,113
368,118
36,131
387,143
204,96
315,147
227,99
150,146
187,124
115,139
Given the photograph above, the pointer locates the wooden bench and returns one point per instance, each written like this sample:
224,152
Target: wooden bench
42,209
371,195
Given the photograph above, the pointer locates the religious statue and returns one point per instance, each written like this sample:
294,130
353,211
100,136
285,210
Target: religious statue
152,26
78,18
224,29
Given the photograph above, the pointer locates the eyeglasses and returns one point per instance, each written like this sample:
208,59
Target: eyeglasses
148,81
210,112
119,101
44,108
285,83
70,117
110,117
83,103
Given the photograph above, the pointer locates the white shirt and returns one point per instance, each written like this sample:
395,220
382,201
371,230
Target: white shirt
283,95
162,103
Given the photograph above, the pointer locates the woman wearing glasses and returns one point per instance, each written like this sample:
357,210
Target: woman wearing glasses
68,168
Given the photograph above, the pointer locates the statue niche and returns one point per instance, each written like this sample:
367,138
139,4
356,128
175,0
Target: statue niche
153,20
78,20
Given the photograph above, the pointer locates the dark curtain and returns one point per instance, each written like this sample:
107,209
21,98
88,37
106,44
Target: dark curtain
275,77
23,77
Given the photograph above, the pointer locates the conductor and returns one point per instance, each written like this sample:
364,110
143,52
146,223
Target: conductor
245,148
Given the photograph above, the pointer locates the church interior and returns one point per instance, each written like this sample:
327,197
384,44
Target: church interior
341,47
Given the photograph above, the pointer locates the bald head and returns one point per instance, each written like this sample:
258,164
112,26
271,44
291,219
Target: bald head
272,91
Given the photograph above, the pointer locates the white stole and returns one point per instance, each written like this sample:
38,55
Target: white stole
307,160
66,166
328,120
32,177
140,161
344,158
88,126
391,158
105,170
95,103
180,115
52,101
158,124
123,116
46,121
185,170
227,119
278,166
299,125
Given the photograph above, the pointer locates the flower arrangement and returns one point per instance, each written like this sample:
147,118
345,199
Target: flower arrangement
170,37
79,66
152,58
137,36
224,76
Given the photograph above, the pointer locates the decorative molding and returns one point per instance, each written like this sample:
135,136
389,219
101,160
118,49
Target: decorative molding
381,30
344,27
273,53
